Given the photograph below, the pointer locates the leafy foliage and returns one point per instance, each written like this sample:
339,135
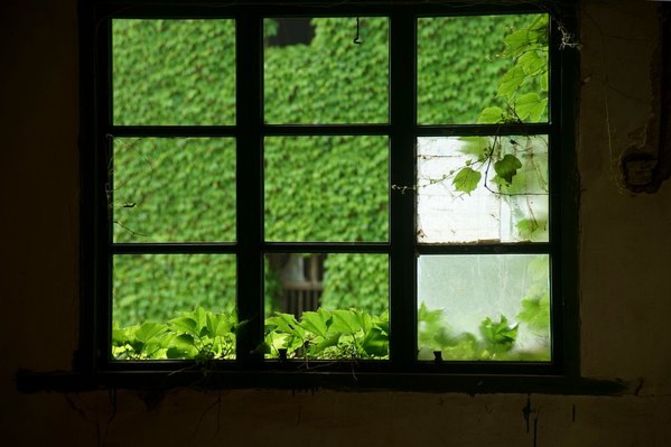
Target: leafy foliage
316,188
201,335
521,96
340,334
173,72
459,61
157,287
336,334
466,180
496,340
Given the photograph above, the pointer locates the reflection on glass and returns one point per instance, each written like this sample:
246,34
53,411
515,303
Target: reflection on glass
314,72
173,307
484,307
174,190
327,189
483,69
169,72
482,189
327,306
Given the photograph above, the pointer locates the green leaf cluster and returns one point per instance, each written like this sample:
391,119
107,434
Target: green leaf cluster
201,335
324,334
340,334
316,188
459,62
495,341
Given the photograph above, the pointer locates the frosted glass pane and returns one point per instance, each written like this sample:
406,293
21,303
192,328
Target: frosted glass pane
484,307
327,306
496,206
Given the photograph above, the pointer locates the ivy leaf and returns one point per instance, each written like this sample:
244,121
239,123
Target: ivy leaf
527,228
511,81
466,180
491,115
476,146
499,336
535,312
315,323
186,324
148,331
346,321
286,323
532,63
507,167
530,106
376,342
517,41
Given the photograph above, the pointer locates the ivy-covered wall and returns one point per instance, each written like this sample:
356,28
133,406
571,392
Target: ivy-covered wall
316,188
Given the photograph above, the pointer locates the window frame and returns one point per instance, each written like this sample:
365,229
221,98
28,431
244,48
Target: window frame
249,369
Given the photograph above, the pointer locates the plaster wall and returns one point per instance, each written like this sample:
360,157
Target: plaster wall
625,243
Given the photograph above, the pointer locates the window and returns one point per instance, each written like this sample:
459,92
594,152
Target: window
373,188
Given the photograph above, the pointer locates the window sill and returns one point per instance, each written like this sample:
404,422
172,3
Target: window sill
63,381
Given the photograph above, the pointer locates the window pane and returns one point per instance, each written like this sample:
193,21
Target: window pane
168,72
484,307
315,73
173,306
483,69
482,189
328,189
327,306
174,190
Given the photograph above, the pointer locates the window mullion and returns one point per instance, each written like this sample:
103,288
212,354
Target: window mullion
249,47
403,308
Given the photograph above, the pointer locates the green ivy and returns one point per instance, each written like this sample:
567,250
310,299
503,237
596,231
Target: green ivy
342,334
316,188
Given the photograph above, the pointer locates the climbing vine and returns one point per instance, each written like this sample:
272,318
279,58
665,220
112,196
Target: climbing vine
316,188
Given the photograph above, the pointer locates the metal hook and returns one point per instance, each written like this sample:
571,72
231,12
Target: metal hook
357,38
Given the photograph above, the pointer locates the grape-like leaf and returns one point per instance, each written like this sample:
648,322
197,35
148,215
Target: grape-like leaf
491,115
536,312
466,180
507,167
511,81
527,228
530,106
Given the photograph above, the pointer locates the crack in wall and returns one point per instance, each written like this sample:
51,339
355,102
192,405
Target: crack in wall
646,166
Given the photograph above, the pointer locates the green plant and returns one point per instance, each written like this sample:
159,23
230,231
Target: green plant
316,187
146,186
337,334
201,335
519,165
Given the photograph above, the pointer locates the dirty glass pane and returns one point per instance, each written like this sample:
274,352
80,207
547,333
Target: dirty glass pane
314,72
482,189
173,190
170,72
484,307
327,306
173,306
483,69
326,189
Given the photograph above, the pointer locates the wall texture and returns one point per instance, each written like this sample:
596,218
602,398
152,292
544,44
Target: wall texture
625,243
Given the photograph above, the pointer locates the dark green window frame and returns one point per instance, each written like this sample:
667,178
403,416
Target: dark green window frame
403,370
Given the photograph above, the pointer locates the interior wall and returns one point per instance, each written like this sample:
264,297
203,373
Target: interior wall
625,243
